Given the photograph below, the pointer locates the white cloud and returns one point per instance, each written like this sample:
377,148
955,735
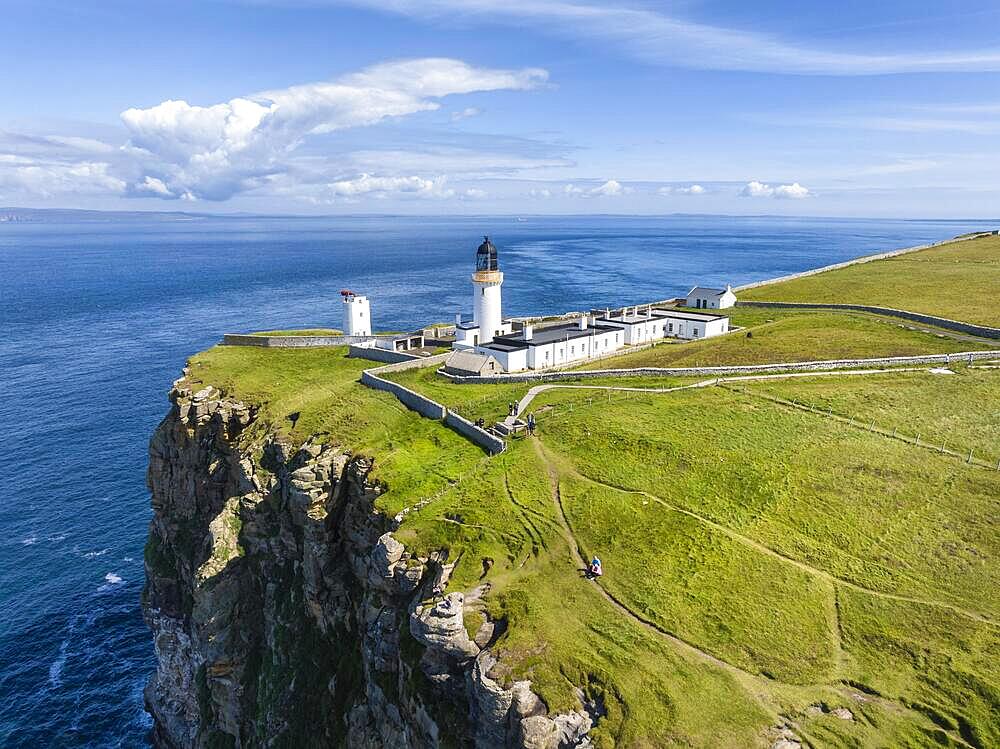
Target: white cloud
540,192
466,113
48,179
610,188
689,190
794,191
756,189
216,151
654,36
474,193
155,186
367,184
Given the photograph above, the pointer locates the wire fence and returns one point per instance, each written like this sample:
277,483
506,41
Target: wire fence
981,456
977,455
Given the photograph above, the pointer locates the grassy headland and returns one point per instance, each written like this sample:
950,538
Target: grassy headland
765,564
957,280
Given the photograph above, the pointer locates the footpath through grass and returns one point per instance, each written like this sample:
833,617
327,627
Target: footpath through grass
793,546
958,280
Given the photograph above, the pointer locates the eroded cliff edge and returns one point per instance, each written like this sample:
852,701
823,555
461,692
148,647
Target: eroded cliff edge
285,613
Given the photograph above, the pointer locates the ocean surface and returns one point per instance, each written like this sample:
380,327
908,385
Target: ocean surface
98,316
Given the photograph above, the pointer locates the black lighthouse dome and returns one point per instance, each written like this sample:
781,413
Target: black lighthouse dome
486,256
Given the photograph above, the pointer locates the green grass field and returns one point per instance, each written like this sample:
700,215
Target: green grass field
957,281
793,335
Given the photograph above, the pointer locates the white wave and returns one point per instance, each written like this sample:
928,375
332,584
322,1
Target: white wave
56,667
29,540
92,554
112,579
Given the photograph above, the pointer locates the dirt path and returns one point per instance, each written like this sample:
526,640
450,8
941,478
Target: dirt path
578,558
751,682
763,549
538,389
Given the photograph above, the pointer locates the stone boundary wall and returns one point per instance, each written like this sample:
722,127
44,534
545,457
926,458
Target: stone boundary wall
412,400
373,353
427,407
817,366
490,442
855,261
983,331
297,341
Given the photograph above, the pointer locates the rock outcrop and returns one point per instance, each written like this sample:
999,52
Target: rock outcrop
285,612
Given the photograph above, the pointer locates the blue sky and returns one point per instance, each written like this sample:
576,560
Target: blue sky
503,106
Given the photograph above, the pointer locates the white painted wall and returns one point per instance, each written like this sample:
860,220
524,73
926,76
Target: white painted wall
357,316
486,308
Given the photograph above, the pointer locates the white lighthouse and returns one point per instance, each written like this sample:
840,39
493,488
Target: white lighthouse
357,314
486,283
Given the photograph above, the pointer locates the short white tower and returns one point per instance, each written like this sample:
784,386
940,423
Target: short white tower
486,282
357,314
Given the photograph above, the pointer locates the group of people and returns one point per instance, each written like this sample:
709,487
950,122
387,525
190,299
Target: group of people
514,409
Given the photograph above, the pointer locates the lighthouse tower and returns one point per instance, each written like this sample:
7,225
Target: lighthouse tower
486,282
357,314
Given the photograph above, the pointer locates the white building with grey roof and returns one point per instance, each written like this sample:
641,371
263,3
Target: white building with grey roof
702,297
488,341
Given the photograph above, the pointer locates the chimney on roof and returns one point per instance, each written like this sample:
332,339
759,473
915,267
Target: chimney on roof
528,330
583,322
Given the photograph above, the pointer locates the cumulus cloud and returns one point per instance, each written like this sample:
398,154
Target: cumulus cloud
689,190
610,188
794,191
756,189
214,152
542,193
367,184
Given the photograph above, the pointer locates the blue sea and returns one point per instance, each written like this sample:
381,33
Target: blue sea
97,316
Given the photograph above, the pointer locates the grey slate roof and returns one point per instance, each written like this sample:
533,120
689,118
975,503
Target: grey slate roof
466,361
543,336
706,291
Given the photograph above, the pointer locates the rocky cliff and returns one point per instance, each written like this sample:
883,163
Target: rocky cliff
285,613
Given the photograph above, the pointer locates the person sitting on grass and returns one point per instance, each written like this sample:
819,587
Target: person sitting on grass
595,569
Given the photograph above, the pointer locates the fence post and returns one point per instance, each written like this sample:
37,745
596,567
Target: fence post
872,427
943,443
970,456
894,431
852,422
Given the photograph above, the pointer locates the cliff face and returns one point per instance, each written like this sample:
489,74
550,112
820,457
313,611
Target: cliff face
285,613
